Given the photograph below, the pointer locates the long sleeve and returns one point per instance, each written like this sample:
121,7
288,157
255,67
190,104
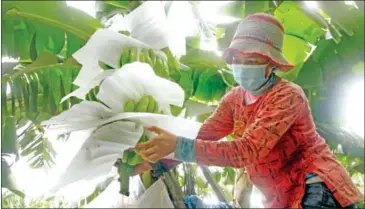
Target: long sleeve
220,123
271,123
217,126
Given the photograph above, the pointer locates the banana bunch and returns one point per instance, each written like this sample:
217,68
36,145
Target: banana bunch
148,56
145,104
131,157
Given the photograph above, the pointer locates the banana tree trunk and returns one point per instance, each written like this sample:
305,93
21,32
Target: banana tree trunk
175,191
218,191
243,189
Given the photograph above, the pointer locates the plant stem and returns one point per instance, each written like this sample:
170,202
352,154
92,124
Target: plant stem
217,190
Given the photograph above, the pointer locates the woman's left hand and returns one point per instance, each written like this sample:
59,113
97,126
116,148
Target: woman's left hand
158,146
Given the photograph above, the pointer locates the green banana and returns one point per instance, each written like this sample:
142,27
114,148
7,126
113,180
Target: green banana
165,67
147,57
151,104
175,110
129,106
146,179
124,59
133,55
160,68
156,109
143,104
152,57
141,56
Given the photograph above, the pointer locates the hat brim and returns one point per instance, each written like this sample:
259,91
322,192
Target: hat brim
259,48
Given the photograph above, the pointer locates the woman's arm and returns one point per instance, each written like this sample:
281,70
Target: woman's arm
217,126
258,140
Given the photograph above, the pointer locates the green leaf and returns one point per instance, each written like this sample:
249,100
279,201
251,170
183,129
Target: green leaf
310,76
186,83
34,146
358,68
234,9
193,42
295,51
217,176
229,175
118,4
200,182
297,23
40,86
49,20
73,44
4,96
202,58
204,88
9,138
219,33
348,19
252,7
352,144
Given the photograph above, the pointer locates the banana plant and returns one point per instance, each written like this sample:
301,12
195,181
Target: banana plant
42,36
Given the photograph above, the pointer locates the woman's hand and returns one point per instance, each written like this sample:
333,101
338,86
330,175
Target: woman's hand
158,146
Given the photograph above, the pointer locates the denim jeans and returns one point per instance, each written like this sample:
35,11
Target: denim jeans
317,195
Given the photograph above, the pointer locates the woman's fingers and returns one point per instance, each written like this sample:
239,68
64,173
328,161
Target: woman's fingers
155,129
145,145
148,151
153,158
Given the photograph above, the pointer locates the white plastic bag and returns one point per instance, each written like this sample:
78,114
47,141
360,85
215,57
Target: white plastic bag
132,81
98,153
148,24
149,28
106,46
89,84
181,23
136,80
156,196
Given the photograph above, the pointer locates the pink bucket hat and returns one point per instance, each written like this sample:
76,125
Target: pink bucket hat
260,34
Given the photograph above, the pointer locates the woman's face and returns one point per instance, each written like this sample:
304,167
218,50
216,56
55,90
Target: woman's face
252,59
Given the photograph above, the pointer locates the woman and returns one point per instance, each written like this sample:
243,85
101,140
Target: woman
274,133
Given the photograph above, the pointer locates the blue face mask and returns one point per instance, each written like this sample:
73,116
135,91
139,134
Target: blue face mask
252,78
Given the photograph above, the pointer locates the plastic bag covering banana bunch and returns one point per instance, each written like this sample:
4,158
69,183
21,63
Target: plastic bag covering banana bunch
148,30
149,24
104,46
114,130
155,196
96,152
